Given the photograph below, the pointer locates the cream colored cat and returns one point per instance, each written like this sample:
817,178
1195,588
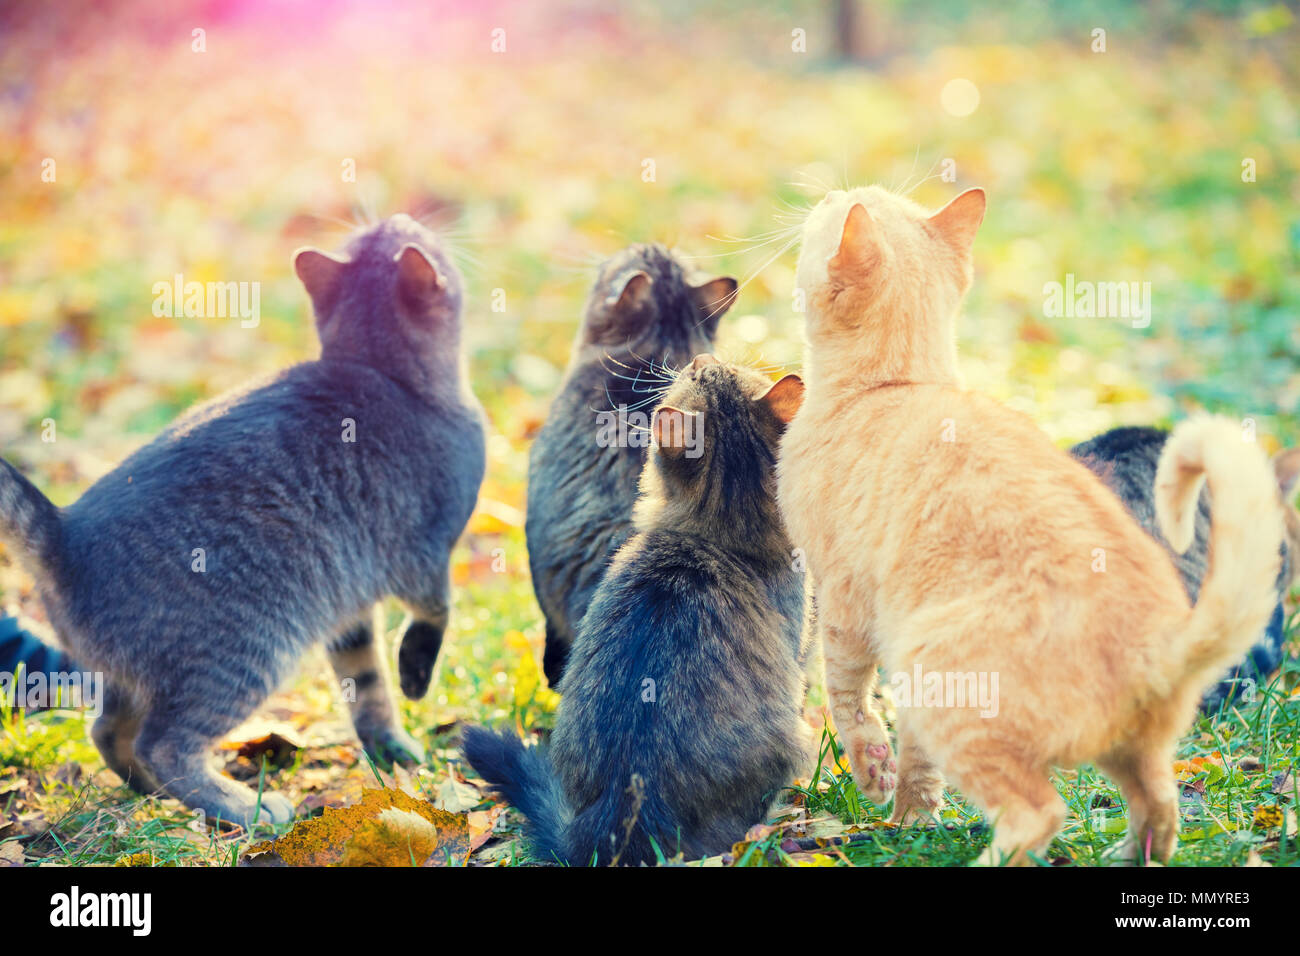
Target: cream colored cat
948,536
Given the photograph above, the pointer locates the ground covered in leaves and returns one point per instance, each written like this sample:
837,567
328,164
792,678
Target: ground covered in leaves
1120,166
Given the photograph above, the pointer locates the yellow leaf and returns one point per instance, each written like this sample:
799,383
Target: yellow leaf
324,840
1268,817
394,838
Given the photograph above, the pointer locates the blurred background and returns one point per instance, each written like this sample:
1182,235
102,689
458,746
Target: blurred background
1165,153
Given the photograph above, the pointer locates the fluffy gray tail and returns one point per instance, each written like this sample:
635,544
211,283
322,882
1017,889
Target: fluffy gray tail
29,523
525,777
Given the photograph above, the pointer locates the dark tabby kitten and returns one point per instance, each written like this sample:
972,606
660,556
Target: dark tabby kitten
197,573
1125,459
647,310
682,710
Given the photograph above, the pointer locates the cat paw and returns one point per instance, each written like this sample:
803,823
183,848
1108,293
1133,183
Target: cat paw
1130,853
919,797
912,813
275,808
875,771
393,745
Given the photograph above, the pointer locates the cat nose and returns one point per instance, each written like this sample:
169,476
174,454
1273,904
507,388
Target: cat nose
701,360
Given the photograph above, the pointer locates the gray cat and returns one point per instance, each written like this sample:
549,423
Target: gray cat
198,572
682,710
648,314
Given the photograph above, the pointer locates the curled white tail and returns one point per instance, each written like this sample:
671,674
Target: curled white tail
1239,592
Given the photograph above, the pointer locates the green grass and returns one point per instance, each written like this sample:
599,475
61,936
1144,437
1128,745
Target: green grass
1102,166
488,673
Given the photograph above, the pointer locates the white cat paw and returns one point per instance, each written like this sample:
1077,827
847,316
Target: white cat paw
275,808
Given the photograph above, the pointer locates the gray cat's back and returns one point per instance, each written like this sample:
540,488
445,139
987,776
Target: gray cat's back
196,573
580,499
260,486
648,312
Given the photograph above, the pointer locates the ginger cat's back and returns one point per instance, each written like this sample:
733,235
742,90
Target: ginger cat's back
949,534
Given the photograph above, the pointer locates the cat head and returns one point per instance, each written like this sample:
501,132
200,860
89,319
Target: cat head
877,268
654,302
392,299
715,439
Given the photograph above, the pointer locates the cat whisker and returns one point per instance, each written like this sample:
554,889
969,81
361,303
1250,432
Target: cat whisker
751,277
775,236
652,400
929,177
642,374
334,220
813,182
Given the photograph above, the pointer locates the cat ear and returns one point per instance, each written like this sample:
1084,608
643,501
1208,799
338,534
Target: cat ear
958,221
784,398
1286,464
669,429
858,242
319,273
419,282
713,297
633,293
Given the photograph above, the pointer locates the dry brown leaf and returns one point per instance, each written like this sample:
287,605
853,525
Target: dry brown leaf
482,825
13,780
278,749
27,824
457,797
332,793
11,853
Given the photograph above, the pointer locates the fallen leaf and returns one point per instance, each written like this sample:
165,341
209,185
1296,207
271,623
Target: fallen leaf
456,797
811,859
399,778
143,858
278,749
324,840
483,824
394,838
12,780
1268,817
11,853
27,824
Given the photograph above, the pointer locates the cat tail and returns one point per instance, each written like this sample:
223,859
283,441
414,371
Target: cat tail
22,649
525,777
1239,593
29,523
